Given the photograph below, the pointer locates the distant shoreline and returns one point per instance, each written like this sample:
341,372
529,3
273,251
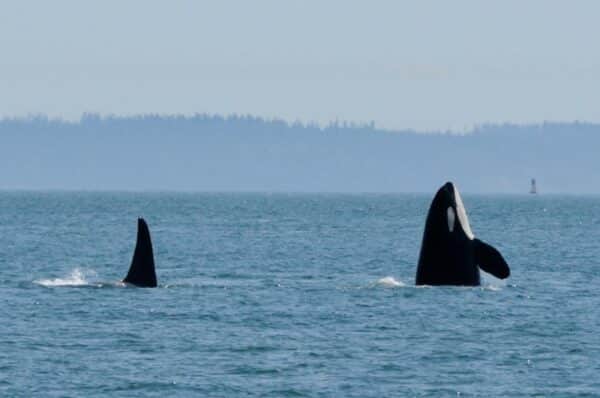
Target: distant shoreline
96,118
208,153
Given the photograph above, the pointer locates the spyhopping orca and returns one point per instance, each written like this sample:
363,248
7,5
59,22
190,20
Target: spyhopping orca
450,253
141,272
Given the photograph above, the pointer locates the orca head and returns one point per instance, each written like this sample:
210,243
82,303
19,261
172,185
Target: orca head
448,212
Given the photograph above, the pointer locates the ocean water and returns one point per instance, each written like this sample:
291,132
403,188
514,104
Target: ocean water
274,295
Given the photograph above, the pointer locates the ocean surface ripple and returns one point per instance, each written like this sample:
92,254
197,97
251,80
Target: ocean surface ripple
299,295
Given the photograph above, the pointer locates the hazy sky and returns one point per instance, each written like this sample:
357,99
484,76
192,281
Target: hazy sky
418,64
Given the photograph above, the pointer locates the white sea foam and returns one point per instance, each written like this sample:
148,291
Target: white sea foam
490,282
389,281
77,277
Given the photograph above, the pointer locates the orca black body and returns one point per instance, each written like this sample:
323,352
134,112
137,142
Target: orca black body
141,272
450,253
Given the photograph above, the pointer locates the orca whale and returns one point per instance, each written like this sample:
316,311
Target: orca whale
141,272
450,253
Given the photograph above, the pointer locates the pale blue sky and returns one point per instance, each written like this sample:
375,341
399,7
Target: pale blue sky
403,64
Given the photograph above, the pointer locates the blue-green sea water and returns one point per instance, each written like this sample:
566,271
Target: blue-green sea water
293,296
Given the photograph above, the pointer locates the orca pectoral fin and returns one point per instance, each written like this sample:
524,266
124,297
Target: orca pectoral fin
490,260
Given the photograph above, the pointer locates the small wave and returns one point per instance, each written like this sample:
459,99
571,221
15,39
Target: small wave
490,282
77,277
492,288
389,281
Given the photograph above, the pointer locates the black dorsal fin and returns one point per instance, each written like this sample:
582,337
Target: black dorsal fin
490,260
141,272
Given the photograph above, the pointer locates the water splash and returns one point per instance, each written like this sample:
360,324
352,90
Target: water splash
77,277
390,281
490,282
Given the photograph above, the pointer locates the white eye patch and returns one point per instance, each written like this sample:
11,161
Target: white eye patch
451,218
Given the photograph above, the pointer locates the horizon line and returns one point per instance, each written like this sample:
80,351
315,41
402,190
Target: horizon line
283,192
